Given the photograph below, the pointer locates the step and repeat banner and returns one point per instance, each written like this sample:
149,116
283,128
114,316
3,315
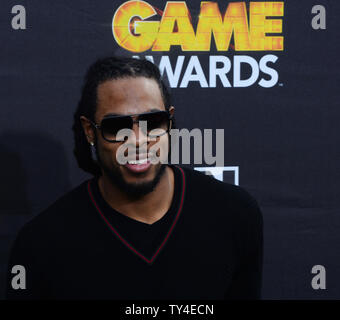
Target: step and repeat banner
266,72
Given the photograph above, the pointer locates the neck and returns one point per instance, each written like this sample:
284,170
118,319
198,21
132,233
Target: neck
148,208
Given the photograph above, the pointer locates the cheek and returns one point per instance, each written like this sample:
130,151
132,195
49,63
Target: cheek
161,147
108,151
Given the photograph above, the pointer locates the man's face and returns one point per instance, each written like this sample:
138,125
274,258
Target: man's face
129,96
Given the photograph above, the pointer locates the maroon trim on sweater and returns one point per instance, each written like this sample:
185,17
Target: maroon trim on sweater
134,250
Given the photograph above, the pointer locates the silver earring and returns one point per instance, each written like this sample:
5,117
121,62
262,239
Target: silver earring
93,152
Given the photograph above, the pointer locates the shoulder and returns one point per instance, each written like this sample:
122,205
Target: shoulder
209,188
222,202
56,217
223,206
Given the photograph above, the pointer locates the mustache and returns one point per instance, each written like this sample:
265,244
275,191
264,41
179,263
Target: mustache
137,154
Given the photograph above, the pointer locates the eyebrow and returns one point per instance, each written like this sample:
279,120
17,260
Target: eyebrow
123,114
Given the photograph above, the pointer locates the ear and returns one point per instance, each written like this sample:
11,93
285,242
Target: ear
88,129
172,112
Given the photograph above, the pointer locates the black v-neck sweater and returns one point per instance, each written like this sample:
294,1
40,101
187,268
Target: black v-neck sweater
208,245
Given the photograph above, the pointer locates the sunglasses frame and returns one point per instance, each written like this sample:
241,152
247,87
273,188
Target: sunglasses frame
99,126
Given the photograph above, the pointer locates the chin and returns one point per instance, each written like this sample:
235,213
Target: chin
137,185
133,184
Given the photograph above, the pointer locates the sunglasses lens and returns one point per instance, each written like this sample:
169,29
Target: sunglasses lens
157,123
111,126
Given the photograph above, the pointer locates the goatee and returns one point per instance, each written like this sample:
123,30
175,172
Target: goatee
132,190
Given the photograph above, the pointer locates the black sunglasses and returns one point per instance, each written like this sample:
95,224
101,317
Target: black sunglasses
159,122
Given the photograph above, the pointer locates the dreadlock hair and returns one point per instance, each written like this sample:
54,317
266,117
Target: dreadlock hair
102,70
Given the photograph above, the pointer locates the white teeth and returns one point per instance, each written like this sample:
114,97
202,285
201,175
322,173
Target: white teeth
142,161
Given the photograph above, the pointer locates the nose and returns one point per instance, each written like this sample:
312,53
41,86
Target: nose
139,138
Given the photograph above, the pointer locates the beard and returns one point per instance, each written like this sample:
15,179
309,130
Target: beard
132,190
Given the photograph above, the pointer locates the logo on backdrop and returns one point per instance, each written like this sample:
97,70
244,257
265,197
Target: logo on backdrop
241,29
219,173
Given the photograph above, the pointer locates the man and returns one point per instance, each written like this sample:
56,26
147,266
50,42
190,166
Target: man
138,230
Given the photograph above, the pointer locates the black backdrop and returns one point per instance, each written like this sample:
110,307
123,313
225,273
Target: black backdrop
284,140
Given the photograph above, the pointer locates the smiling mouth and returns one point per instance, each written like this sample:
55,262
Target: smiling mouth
138,166
141,158
142,161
